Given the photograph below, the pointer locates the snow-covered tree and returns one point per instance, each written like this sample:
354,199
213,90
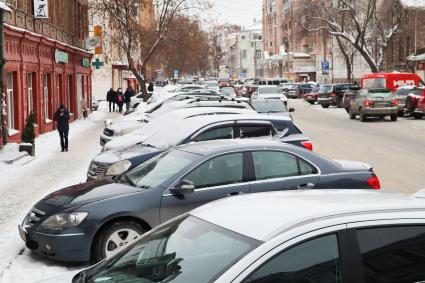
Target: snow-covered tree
360,23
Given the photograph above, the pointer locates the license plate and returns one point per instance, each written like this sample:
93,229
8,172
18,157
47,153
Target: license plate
22,233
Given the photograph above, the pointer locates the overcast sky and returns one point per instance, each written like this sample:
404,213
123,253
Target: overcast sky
241,12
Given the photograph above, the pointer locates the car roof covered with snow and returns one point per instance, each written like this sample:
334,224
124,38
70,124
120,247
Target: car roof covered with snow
263,216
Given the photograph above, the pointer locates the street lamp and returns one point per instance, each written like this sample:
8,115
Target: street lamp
3,126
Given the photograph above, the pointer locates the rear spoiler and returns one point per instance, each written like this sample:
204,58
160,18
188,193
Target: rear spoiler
354,165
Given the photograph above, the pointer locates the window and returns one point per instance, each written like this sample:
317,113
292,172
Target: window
215,134
273,164
393,254
315,261
10,101
222,170
243,54
46,95
30,93
255,131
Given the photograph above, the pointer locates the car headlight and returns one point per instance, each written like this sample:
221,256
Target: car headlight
64,220
118,168
117,132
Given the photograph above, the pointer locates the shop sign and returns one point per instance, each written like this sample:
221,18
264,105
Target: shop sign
61,57
41,9
85,62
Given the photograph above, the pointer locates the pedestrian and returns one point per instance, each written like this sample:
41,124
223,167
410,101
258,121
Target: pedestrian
111,98
129,93
85,112
62,120
119,99
150,87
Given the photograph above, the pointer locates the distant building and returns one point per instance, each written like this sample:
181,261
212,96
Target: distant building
46,63
221,37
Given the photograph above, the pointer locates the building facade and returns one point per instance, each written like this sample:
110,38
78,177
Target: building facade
46,63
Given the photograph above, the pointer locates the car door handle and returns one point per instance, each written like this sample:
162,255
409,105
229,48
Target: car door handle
235,194
306,186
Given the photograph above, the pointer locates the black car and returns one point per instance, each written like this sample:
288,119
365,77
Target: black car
303,89
332,95
135,148
91,220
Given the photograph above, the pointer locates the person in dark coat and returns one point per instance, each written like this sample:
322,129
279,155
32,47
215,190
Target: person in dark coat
150,87
129,93
62,120
119,99
111,98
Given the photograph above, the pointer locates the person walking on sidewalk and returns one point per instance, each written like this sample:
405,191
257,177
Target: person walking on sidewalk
111,98
62,120
119,99
129,93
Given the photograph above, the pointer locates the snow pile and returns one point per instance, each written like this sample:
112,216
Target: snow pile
413,4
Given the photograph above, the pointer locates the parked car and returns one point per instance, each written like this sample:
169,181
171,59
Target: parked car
272,107
349,96
401,94
129,151
377,244
289,90
203,107
272,81
390,80
412,102
374,103
92,220
268,92
94,104
312,96
224,82
212,85
303,88
228,91
332,95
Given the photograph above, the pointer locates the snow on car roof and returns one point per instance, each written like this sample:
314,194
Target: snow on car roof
413,4
263,216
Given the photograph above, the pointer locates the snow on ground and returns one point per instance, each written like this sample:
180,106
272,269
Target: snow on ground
22,186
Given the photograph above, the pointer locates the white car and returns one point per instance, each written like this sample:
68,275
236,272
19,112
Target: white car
212,85
315,236
269,92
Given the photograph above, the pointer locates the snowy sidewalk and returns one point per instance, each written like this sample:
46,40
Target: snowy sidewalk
22,186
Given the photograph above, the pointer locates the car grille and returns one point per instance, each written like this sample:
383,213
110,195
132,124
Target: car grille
33,217
97,170
108,132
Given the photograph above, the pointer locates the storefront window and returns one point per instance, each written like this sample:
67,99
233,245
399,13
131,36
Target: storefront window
46,96
30,93
69,93
10,102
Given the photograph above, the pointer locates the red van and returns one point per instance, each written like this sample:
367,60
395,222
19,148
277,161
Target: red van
391,80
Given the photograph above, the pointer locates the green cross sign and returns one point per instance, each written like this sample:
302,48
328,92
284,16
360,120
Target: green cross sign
97,64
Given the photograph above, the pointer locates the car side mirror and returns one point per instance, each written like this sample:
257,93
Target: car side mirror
291,109
185,187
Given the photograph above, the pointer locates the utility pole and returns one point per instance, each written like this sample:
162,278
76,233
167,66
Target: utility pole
3,125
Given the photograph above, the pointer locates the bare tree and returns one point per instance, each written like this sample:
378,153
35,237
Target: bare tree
357,22
139,39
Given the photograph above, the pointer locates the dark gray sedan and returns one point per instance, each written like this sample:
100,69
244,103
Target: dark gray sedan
91,220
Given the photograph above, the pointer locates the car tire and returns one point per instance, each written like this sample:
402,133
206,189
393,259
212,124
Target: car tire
325,106
362,116
311,102
394,117
106,241
135,105
417,116
409,105
400,114
352,114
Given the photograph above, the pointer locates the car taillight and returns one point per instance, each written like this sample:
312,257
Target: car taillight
394,102
368,103
374,183
333,94
308,145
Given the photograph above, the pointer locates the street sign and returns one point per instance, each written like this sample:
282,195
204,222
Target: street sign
85,62
97,64
61,57
176,74
41,9
325,67
98,33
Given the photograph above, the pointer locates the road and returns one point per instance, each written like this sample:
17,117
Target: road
396,150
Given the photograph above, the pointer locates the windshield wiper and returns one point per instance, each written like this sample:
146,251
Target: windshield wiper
128,179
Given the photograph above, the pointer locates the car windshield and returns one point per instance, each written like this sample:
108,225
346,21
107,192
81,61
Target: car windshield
159,169
268,90
402,91
187,249
269,106
212,84
326,88
288,86
379,94
416,91
228,90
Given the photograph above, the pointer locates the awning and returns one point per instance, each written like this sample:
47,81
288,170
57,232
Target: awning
416,57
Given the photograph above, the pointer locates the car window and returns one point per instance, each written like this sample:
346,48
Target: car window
393,254
216,134
255,131
316,260
222,170
272,164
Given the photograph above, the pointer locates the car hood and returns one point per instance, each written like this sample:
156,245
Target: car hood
64,278
82,194
127,126
123,153
126,140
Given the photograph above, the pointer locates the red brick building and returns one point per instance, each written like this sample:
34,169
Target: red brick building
46,63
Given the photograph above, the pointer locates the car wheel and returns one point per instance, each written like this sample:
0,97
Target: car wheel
135,105
325,106
400,113
409,105
417,115
347,109
311,102
362,116
115,236
352,114
394,117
